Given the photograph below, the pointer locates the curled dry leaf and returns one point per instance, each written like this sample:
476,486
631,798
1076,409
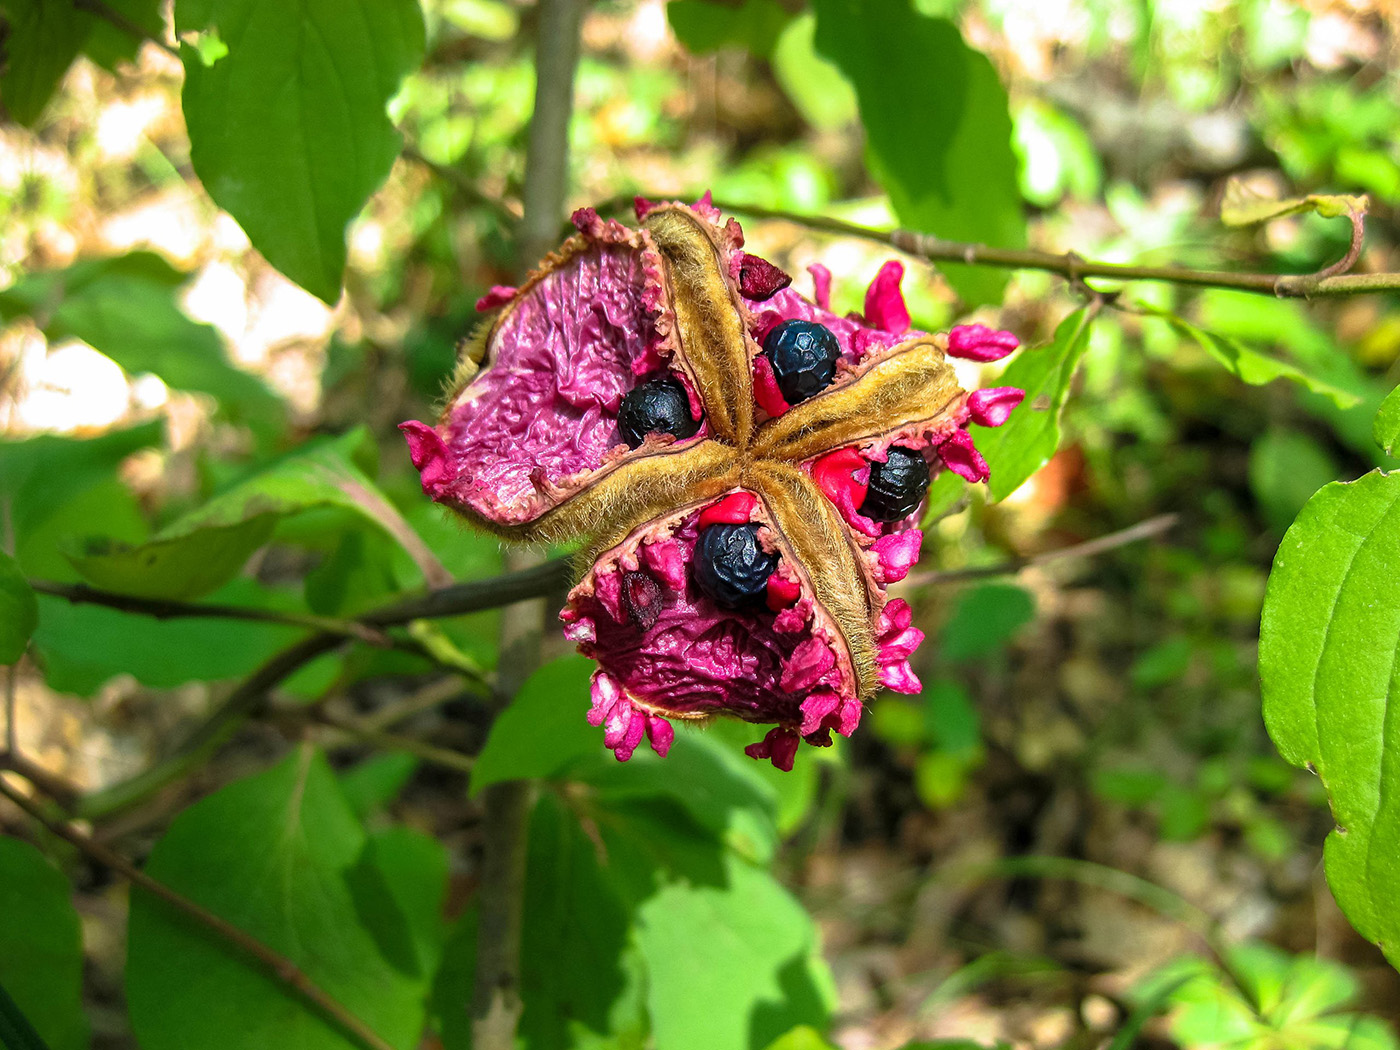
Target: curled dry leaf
786,623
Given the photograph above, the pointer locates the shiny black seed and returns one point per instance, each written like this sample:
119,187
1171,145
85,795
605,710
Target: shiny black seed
803,355
641,597
896,485
730,566
659,406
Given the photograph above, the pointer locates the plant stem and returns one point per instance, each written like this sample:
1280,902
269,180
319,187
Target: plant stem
168,609
496,1004
438,756
243,701
1132,534
1324,283
278,965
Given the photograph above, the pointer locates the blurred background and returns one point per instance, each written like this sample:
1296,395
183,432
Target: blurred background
1101,710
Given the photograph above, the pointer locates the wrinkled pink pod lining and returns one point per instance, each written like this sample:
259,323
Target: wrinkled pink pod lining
544,410
699,659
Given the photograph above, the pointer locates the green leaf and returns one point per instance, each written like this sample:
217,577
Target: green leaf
1386,428
288,131
44,38
126,307
704,26
544,732
937,126
19,610
281,856
1025,442
205,548
816,87
371,785
41,946
730,966
1267,999
1285,468
1329,650
984,619
28,470
1256,367
574,942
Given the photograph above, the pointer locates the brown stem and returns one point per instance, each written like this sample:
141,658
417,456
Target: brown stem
167,609
1328,282
219,726
276,964
1132,534
496,1004
111,15
438,756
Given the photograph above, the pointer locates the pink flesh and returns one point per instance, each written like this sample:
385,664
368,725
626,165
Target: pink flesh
545,406
699,659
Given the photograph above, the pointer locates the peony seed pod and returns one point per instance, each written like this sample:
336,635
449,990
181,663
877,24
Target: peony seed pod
784,620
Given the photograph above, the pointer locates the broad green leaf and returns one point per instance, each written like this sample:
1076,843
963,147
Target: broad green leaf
41,946
730,965
19,610
44,38
127,308
1285,468
984,619
1329,649
1386,428
816,87
281,856
1025,442
574,943
1240,206
206,547
372,784
1256,367
704,26
544,732
39,475
1267,1000
109,44
937,127
288,130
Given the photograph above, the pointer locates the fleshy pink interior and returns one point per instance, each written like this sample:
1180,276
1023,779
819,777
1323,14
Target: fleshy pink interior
697,658
545,407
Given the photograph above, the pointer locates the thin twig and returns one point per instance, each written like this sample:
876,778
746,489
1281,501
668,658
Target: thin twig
62,792
1325,282
111,15
223,721
169,609
438,756
1089,548
463,186
278,965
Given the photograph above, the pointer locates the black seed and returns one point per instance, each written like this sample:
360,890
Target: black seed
659,406
730,566
896,485
803,355
641,597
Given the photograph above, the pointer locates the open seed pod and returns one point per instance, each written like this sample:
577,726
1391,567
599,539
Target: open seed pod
748,464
